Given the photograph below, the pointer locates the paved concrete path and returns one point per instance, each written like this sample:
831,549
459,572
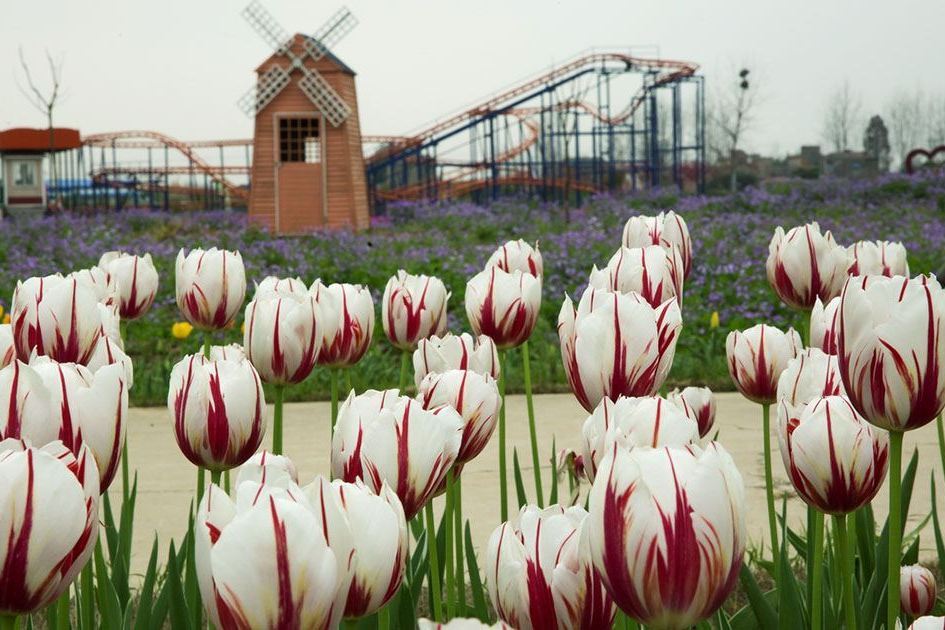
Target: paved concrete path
167,480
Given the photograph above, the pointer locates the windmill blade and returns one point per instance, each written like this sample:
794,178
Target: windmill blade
324,97
267,27
269,85
330,33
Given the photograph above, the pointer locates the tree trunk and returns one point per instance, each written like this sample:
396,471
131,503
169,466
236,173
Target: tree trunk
53,175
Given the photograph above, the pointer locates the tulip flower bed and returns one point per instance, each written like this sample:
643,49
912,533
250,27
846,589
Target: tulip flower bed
450,241
617,305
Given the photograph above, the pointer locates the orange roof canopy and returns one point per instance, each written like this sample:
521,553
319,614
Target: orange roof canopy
27,139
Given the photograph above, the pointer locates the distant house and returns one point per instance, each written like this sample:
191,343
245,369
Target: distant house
850,164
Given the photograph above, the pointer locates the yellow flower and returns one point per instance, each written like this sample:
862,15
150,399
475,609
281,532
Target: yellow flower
6,318
2,312
181,330
243,328
714,320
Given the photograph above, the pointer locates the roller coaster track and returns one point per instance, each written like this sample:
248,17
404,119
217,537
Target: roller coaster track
150,139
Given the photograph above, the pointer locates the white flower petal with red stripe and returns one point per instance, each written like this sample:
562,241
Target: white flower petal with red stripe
27,406
344,321
136,280
917,590
455,352
517,255
698,403
878,258
667,229
811,374
7,347
474,396
211,286
503,305
57,317
804,265
653,272
823,325
414,308
280,337
756,358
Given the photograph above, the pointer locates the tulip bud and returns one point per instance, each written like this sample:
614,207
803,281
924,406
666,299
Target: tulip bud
667,229
108,352
667,531
101,283
835,459
382,437
345,323
892,350
540,574
218,410
823,325
698,403
653,272
474,396
630,422
7,349
88,408
804,265
49,522
211,286
503,305
757,357
517,255
27,405
57,317
811,374
455,352
877,258
271,286
280,337
917,591
616,344
136,279
260,561
414,308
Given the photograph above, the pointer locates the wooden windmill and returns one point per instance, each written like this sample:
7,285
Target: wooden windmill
308,170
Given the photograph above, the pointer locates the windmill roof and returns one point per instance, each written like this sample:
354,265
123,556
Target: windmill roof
330,56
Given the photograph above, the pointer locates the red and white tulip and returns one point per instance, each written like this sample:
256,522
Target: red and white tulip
629,422
100,282
653,272
811,374
108,352
667,229
49,522
474,396
345,323
517,255
57,317
917,590
823,325
460,623
503,305
414,308
698,403
26,404
455,352
617,344
878,258
382,437
805,264
280,337
272,286
218,409
756,358
835,459
87,408
928,623
892,349
7,347
540,575
667,531
136,280
211,286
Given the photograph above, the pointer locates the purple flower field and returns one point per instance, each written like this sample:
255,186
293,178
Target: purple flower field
730,243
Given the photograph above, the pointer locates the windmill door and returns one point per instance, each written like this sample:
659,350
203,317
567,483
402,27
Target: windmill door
299,173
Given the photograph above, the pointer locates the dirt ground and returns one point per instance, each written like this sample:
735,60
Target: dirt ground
167,480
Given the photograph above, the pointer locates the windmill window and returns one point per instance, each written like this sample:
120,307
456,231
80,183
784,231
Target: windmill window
299,140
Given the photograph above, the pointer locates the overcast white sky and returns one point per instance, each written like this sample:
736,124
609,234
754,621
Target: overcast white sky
178,66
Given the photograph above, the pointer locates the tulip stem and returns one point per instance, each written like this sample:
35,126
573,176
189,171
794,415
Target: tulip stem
383,618
503,483
226,482
895,528
404,361
434,594
458,532
333,376
277,419
941,439
527,373
9,622
125,485
769,482
846,569
817,571
448,559
201,482
215,477
87,592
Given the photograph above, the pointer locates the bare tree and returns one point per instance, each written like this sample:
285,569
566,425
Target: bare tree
906,126
44,101
935,117
732,113
841,117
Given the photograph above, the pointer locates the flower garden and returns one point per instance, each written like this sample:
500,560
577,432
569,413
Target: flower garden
817,301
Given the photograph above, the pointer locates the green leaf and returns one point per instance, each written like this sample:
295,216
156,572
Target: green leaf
109,609
177,603
865,532
480,609
760,606
937,528
519,484
790,603
553,498
146,594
